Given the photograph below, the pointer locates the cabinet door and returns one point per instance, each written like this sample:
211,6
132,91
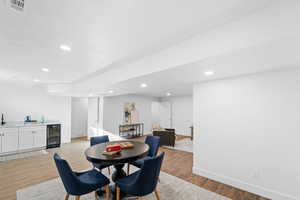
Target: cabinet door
26,140
40,137
10,139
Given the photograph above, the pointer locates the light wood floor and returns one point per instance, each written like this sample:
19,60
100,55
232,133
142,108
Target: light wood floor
20,173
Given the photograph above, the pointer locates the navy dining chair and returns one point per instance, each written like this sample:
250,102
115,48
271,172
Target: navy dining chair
100,140
143,181
153,142
80,183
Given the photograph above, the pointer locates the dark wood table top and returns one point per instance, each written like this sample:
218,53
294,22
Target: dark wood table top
95,153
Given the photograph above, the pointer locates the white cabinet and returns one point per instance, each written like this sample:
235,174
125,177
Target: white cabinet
14,139
39,137
32,137
25,139
9,139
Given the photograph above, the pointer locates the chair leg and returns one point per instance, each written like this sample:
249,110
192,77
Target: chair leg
118,193
107,191
108,170
156,194
67,197
77,198
96,196
128,169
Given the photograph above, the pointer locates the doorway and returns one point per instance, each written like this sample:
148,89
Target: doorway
79,117
166,114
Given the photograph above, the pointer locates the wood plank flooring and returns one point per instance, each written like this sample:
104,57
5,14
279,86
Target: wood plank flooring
20,173
183,169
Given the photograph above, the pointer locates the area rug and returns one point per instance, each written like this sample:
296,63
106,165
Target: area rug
170,188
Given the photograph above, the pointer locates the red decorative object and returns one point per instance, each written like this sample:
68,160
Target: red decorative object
113,147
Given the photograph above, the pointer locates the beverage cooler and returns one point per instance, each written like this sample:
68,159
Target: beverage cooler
53,135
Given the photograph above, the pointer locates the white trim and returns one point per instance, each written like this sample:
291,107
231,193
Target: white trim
22,151
275,195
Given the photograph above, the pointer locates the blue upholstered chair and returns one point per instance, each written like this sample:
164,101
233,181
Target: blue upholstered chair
80,183
144,181
153,142
99,140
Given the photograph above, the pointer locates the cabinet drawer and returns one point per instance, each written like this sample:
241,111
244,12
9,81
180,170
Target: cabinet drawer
33,128
9,130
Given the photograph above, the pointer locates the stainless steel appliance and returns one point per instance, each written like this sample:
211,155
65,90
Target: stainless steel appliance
53,135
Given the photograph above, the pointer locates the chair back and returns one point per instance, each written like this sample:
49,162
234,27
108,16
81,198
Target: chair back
67,176
99,140
153,142
146,181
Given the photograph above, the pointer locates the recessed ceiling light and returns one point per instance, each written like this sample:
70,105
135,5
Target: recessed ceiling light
36,80
209,73
168,94
45,69
143,85
110,91
65,47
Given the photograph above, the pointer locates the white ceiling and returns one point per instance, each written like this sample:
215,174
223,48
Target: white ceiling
101,33
167,44
179,80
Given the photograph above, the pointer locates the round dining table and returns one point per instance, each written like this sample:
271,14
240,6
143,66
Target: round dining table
95,154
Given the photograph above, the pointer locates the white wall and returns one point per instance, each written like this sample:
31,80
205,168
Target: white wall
114,107
155,110
18,101
247,132
181,114
162,114
79,117
95,116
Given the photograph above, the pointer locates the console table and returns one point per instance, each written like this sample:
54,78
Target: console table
131,130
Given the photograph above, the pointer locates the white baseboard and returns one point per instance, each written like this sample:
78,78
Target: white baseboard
22,151
274,195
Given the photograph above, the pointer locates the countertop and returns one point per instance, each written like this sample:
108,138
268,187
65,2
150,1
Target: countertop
21,124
